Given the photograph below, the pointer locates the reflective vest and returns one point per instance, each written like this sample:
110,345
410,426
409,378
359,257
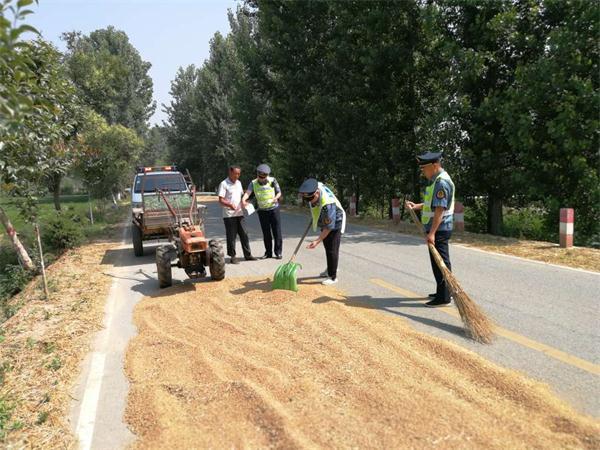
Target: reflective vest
326,197
427,212
264,193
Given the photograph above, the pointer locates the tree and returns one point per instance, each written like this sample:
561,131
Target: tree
111,77
107,156
201,122
156,147
552,114
36,115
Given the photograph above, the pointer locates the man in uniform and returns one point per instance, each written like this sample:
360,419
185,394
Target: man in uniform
328,215
437,217
230,196
267,193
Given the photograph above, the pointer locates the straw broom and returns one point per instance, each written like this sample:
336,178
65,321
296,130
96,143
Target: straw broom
477,325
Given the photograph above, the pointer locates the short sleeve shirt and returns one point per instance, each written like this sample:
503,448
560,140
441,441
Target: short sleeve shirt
231,192
331,217
442,196
275,186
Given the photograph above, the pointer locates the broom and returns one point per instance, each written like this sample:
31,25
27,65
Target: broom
477,325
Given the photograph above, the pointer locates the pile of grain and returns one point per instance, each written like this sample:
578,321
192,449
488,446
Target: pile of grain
236,365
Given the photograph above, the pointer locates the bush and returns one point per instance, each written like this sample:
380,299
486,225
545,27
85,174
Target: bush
63,232
12,279
7,256
67,189
476,215
528,223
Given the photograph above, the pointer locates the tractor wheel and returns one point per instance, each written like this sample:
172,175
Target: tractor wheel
164,253
217,261
136,237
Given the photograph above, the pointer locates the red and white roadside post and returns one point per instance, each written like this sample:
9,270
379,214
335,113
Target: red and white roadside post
567,218
396,210
459,216
352,202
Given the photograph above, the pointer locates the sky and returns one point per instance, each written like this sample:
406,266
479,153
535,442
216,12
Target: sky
169,34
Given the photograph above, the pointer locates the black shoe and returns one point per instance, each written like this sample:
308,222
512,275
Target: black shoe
277,256
265,256
250,258
233,260
432,295
436,303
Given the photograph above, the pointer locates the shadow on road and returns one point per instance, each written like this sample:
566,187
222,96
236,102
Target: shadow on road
124,257
386,304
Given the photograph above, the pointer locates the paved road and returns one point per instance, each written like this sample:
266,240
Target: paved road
549,317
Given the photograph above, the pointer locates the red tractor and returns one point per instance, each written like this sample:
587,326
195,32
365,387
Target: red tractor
188,247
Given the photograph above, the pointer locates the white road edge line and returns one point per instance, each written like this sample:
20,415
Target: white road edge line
86,421
520,258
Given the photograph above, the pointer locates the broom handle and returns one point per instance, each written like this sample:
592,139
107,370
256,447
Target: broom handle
301,241
436,255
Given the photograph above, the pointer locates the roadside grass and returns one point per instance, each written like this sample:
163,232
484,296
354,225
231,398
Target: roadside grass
73,206
60,231
43,341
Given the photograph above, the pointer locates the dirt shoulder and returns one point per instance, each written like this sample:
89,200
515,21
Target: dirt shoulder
44,344
236,365
576,257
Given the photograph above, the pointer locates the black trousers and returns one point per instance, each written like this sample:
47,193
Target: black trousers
441,245
270,222
332,251
235,226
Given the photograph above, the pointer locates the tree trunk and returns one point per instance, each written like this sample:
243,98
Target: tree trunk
22,255
56,180
357,193
494,216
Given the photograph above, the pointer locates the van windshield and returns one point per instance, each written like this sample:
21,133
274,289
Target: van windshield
166,182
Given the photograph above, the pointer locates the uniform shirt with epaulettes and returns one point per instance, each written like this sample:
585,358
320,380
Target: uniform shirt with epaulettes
332,214
443,195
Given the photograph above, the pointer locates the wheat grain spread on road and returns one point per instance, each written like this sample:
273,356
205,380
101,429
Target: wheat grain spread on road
236,365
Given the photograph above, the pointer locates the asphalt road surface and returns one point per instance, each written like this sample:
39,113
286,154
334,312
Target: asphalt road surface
548,317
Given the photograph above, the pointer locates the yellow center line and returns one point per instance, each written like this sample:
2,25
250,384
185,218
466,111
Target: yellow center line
511,335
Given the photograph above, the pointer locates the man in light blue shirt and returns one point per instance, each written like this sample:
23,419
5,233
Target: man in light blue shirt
437,216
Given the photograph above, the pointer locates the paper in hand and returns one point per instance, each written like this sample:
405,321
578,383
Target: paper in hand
249,209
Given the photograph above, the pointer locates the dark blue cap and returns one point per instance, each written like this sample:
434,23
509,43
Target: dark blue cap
428,158
263,168
309,186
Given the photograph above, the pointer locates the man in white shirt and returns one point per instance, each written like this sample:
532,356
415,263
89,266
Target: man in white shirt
230,197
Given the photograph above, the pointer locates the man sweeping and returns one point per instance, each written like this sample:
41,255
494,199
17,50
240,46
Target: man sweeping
437,217
267,192
328,215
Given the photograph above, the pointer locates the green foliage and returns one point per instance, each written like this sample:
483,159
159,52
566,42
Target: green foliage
62,232
528,223
7,407
54,364
156,148
36,147
17,77
42,417
111,77
476,216
349,91
108,155
12,279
